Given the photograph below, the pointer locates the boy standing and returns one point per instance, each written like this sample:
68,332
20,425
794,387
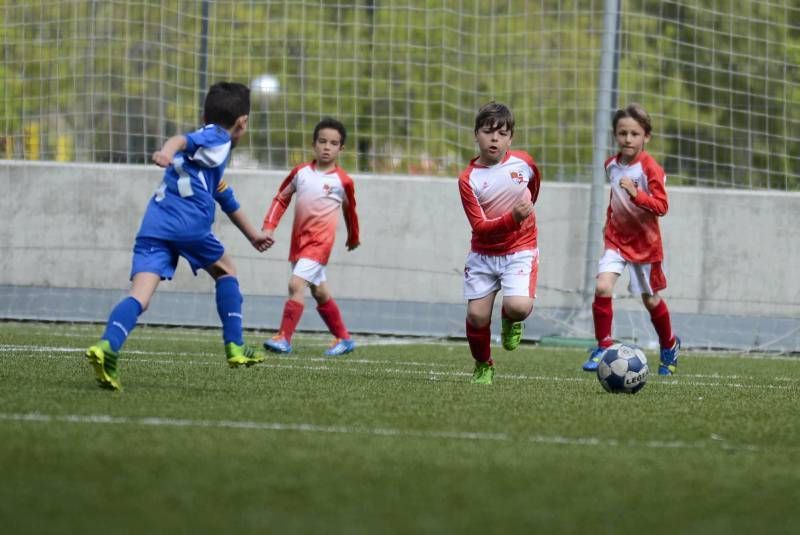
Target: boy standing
178,222
322,188
498,190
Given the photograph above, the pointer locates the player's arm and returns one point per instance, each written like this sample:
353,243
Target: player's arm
656,201
279,204
258,239
164,156
480,224
350,215
227,201
535,181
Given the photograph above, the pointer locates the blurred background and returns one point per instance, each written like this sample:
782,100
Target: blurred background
91,88
108,81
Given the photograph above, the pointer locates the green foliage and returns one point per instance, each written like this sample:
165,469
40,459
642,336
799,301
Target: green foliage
117,78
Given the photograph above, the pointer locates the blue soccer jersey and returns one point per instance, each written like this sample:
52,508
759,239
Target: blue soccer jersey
184,204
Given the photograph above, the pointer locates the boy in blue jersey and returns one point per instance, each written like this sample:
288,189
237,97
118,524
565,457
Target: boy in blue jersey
178,222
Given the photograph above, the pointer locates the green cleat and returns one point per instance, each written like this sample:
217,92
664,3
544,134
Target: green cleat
104,362
483,374
242,354
511,334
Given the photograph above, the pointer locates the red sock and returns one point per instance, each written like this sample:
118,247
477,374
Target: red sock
660,318
603,314
329,311
292,311
480,343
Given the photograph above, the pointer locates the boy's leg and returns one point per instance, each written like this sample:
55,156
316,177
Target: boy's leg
332,316
520,272
121,322
478,327
229,307
603,317
292,312
648,280
670,344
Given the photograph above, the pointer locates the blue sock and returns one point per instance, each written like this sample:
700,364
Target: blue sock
229,308
121,322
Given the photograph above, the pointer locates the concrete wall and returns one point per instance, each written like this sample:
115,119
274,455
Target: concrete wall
727,252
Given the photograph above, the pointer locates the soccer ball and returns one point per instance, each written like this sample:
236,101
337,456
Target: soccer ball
623,369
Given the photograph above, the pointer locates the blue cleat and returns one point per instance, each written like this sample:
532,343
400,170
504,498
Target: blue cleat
340,347
278,344
595,356
669,358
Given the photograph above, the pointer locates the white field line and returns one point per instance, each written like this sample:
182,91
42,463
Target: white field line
182,334
101,419
335,365
314,339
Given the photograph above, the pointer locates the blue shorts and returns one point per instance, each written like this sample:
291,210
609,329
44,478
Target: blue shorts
154,255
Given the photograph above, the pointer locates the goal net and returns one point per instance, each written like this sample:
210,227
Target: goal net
107,81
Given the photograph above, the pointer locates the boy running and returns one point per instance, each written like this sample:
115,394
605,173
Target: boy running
498,190
633,237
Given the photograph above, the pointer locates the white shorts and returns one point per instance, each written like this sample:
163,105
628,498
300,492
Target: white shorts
310,271
645,278
514,273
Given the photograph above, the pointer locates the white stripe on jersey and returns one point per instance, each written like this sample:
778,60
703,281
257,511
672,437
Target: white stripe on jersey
184,180
212,156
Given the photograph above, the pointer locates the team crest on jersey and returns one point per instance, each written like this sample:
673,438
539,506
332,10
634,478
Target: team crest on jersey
327,188
517,177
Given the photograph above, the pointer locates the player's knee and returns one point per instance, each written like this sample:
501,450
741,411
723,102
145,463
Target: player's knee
296,289
650,301
320,294
604,289
478,320
518,311
221,269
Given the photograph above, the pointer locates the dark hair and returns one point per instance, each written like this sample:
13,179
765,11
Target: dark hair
226,102
329,122
495,116
636,112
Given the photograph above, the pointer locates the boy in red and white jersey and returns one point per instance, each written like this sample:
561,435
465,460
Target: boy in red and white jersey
322,188
633,237
498,190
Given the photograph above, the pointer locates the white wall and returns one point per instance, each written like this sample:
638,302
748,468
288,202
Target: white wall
72,226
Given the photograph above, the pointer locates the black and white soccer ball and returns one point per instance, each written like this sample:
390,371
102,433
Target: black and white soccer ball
623,369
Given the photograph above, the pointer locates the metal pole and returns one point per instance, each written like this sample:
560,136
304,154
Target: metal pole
606,89
203,67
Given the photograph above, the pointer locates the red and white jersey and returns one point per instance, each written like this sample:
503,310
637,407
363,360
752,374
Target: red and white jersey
488,195
316,214
632,223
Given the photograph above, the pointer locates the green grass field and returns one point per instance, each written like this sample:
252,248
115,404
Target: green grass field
391,439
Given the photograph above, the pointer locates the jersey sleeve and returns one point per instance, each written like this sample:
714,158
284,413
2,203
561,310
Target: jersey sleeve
350,215
280,202
481,225
536,178
210,146
225,197
656,200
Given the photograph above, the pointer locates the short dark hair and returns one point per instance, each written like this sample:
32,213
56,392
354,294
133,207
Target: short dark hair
225,102
637,113
495,116
330,122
